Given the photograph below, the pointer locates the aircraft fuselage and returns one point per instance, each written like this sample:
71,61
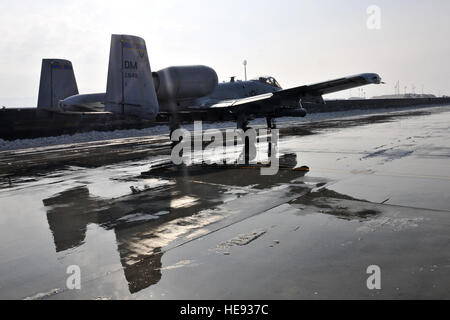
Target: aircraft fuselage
236,90
231,90
225,91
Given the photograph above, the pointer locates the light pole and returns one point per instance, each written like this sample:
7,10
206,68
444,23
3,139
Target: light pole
245,69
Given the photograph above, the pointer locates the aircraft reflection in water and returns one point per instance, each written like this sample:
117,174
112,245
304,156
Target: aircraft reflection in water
148,220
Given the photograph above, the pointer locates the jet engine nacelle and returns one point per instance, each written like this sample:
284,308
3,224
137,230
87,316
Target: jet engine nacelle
187,82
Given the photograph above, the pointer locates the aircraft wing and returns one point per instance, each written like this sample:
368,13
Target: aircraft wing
331,86
244,101
286,102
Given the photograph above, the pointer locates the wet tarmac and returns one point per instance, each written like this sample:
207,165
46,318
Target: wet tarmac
377,193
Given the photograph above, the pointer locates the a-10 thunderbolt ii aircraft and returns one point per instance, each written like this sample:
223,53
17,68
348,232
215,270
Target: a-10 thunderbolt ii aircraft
179,94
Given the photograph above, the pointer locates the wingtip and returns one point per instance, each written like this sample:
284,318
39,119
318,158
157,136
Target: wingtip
372,78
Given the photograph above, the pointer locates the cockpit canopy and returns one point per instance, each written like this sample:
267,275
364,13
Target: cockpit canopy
268,80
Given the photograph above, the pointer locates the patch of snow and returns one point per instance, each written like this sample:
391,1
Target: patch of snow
138,217
241,240
43,295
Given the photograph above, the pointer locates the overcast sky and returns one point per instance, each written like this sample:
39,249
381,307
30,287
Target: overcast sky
297,42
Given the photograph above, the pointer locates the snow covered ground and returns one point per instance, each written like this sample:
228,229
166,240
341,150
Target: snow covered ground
163,129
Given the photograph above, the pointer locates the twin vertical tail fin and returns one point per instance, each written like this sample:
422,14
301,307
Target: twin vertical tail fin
57,83
130,88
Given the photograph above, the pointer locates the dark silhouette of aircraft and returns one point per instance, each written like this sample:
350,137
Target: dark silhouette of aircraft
180,94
